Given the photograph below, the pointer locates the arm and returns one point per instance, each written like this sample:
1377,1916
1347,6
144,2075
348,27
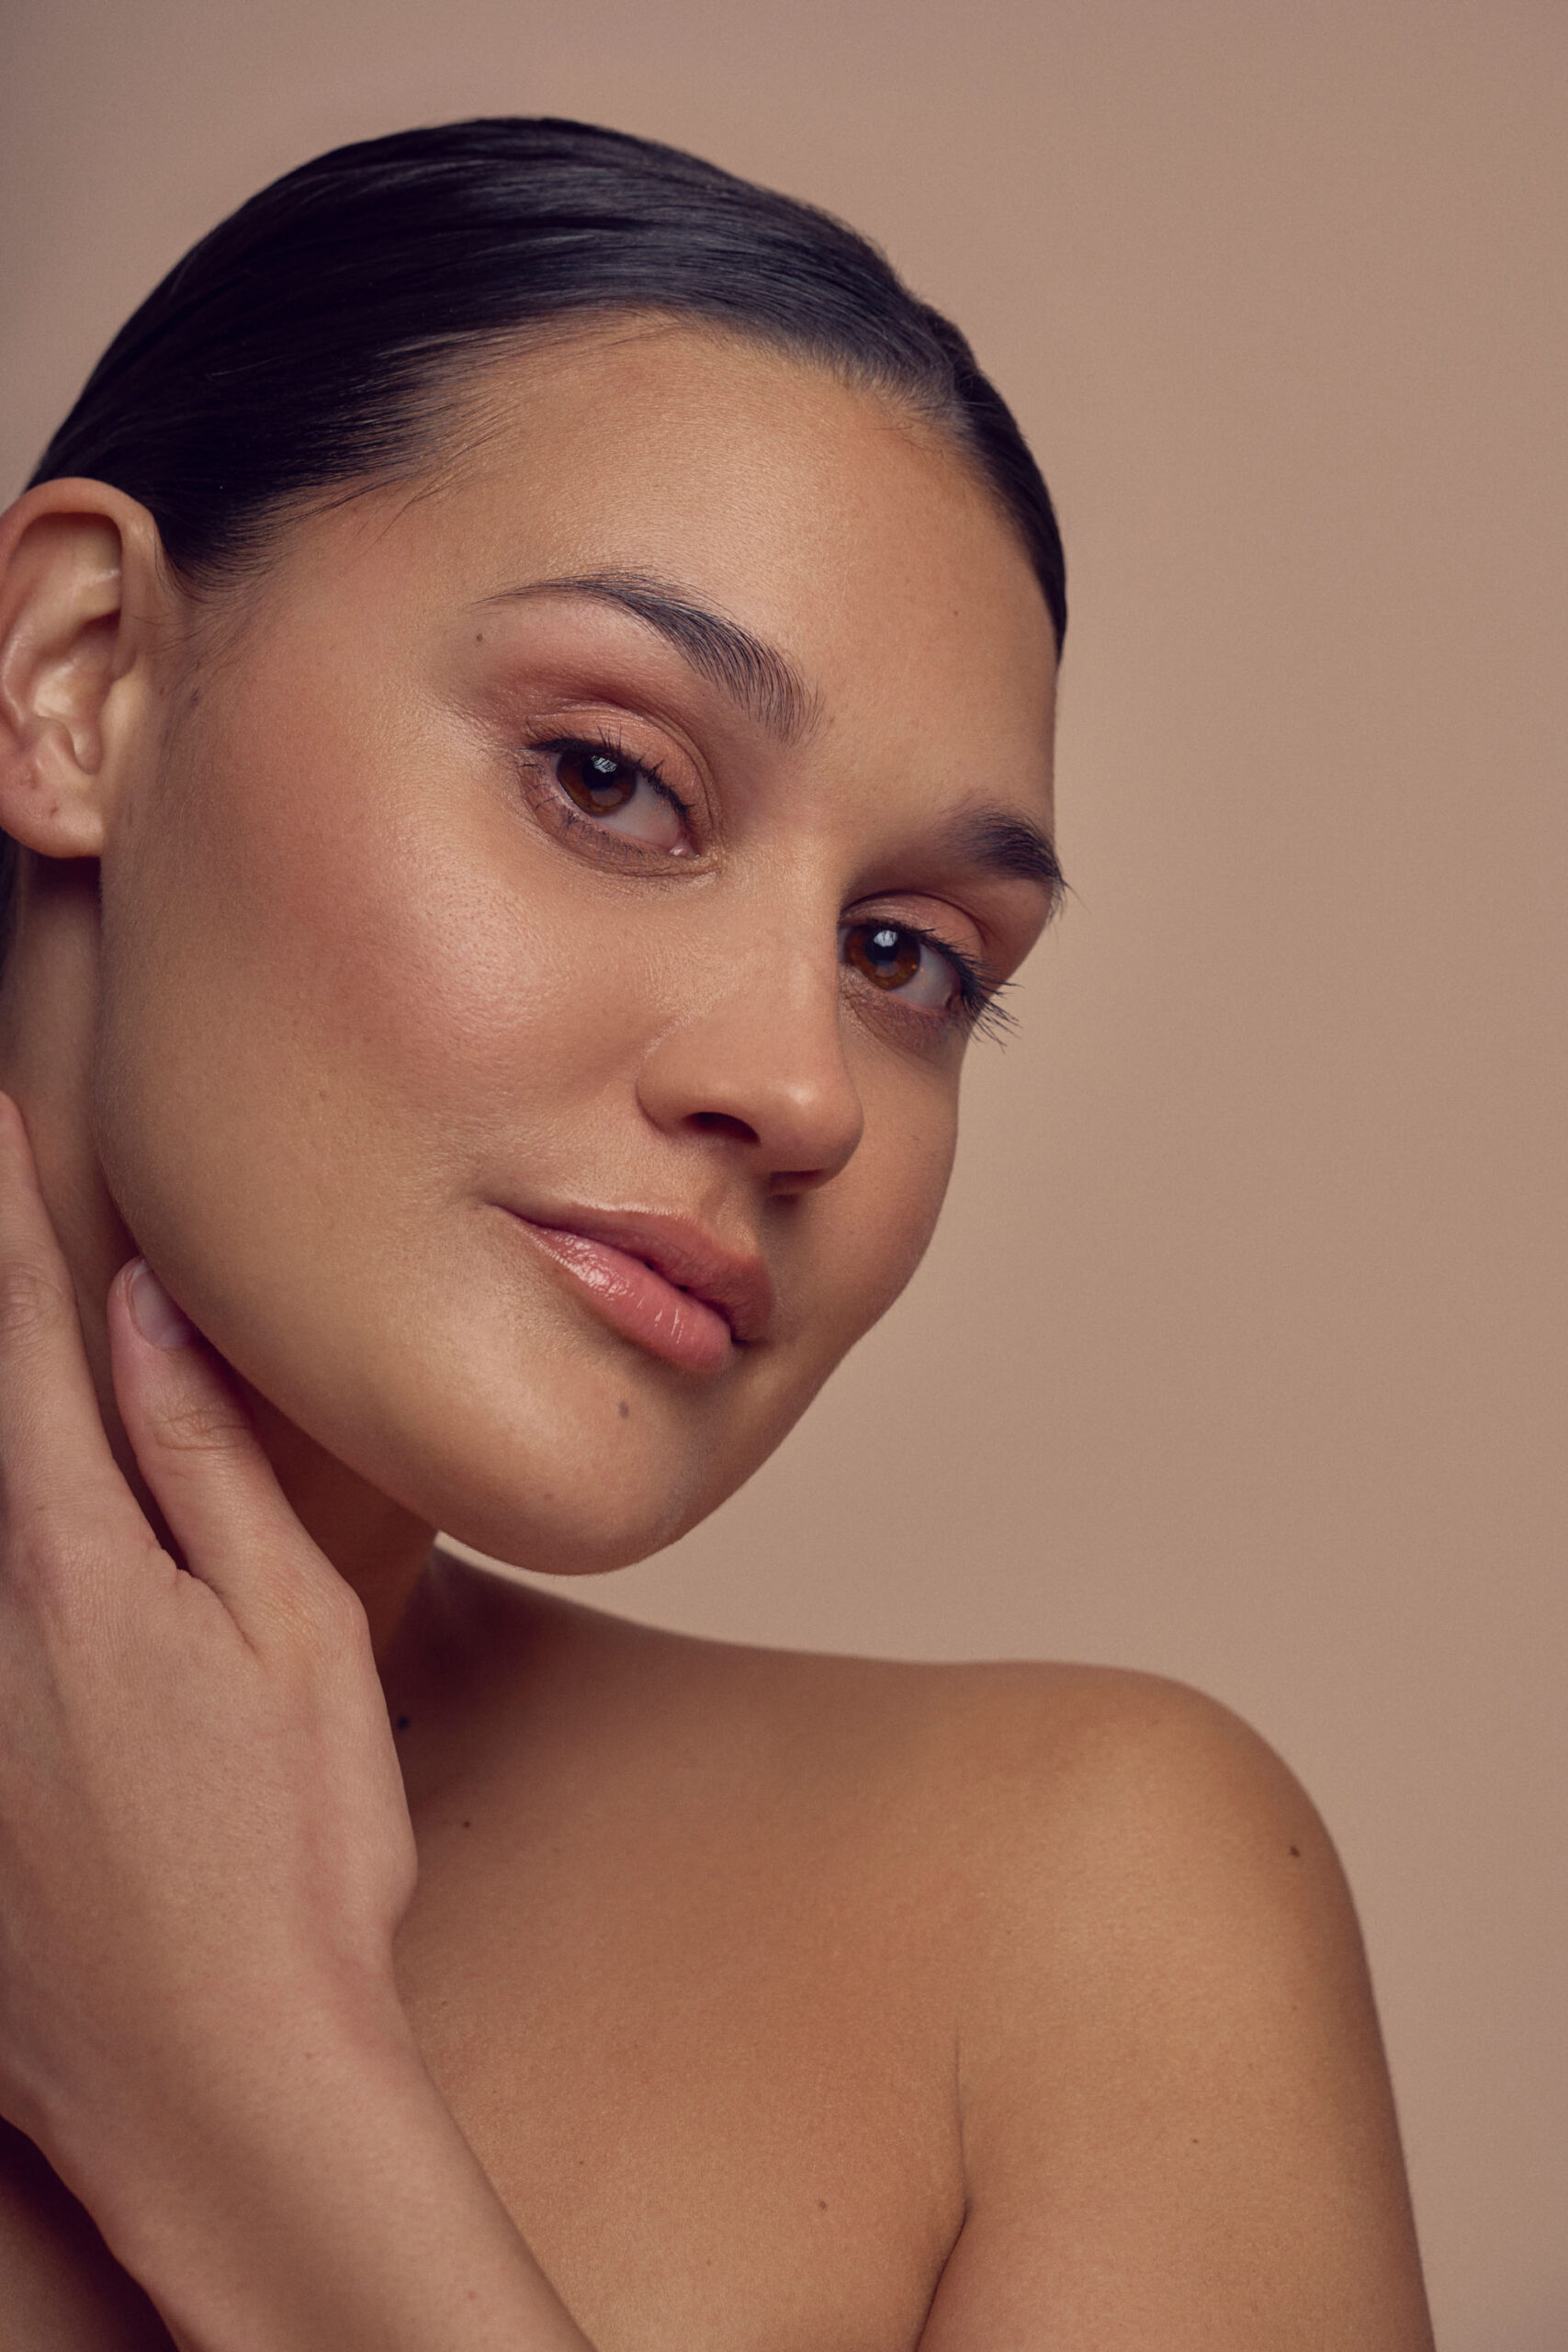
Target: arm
205,1851
1178,2128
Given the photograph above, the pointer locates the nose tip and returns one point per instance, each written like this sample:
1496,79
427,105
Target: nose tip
779,1091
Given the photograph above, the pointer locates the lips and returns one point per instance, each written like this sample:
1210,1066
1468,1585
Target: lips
661,1281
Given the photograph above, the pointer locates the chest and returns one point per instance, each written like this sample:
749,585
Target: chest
702,2052
712,2138
711,2081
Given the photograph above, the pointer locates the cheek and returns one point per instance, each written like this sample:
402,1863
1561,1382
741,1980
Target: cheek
904,1185
846,1253
876,1217
319,931
337,983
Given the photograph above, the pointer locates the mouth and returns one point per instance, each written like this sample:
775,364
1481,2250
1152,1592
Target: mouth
661,1282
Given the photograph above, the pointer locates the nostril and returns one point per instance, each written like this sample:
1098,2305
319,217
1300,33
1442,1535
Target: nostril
719,1123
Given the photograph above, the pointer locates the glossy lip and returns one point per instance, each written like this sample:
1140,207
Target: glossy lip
685,1263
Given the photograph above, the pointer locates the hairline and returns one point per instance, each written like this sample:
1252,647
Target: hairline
443,395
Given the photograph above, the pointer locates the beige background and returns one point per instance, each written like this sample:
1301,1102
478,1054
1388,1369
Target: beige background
1240,1355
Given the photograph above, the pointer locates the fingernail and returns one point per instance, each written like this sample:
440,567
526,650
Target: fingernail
156,1315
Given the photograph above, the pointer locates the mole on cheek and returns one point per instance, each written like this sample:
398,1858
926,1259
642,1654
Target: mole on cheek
623,1409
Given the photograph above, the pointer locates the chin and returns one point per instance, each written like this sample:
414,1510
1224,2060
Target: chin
567,1534
570,1478
579,1455
522,1430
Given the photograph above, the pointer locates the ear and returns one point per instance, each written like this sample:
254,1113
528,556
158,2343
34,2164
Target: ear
81,587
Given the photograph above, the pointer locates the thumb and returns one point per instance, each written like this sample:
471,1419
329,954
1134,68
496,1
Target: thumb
199,1454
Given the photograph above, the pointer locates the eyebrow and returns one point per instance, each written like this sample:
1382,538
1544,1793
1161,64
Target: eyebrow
1006,843
762,681
770,689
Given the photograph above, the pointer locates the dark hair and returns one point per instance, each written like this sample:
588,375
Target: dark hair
305,344
294,347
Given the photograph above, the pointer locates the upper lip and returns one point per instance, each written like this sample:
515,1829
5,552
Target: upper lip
735,1283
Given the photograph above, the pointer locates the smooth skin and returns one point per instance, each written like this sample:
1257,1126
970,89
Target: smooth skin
392,1956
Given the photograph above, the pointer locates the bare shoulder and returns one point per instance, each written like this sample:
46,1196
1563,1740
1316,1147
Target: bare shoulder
1034,1802
1118,1921
1141,1877
1177,2119
1084,1788
1016,1771
1086,1821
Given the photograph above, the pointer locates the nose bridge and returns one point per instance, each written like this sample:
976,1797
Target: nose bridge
758,1050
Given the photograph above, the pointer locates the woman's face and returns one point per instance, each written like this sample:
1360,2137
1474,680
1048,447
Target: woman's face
538,954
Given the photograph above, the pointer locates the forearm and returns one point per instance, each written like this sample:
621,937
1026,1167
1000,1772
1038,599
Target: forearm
355,2216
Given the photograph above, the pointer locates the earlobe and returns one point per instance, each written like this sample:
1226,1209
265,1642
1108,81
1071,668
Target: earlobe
68,648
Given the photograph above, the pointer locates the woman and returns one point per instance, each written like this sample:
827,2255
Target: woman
527,703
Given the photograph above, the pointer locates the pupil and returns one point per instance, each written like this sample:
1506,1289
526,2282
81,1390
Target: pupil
597,781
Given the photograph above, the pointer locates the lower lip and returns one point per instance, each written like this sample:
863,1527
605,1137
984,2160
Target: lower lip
639,1304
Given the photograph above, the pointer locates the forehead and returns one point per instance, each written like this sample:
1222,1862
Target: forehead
826,519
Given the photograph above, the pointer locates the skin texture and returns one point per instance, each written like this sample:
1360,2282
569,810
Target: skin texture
711,1997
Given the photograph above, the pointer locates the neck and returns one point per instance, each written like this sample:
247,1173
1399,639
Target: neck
47,1008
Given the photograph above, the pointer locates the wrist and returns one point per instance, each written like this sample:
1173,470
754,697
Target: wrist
153,2106
329,2199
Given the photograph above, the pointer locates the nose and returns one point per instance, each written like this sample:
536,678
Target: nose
763,1066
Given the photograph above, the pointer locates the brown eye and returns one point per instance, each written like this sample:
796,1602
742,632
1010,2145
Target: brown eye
597,781
883,952
624,796
894,957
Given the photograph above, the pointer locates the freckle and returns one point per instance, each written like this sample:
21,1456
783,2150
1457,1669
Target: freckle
467,1824
623,1409
821,2204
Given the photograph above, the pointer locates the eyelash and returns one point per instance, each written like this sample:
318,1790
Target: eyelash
976,1009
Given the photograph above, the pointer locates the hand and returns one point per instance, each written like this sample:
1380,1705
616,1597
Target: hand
205,1849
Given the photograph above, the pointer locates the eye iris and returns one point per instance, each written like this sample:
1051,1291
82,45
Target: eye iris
597,781
884,955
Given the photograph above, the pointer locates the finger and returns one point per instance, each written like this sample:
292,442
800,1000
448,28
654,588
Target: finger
199,1454
53,1450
